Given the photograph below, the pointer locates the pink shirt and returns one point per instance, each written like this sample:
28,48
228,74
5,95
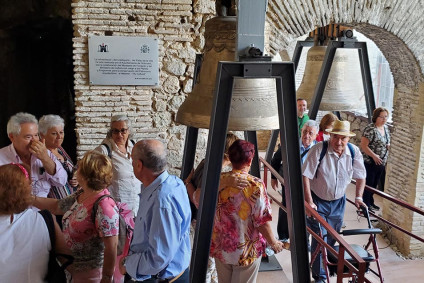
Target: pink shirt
82,235
41,180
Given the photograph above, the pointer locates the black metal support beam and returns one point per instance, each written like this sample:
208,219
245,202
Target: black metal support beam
366,77
189,151
298,51
197,67
323,77
287,112
191,132
214,154
286,97
325,71
296,58
254,169
271,145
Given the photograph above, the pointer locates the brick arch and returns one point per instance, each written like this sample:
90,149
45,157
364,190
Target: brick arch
290,19
394,27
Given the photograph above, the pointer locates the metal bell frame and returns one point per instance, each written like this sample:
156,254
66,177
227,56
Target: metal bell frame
323,77
286,99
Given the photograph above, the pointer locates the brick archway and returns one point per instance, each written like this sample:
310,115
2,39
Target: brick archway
393,27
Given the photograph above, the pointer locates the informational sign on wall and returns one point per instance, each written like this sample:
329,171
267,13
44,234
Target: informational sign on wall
123,60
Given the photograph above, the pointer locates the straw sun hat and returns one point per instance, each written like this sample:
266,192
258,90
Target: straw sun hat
341,128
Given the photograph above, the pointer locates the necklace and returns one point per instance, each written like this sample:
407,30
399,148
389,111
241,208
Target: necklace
85,195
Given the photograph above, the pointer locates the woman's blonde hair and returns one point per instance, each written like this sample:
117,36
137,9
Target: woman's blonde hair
229,140
15,189
96,169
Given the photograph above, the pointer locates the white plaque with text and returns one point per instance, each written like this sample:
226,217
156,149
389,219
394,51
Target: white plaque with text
123,60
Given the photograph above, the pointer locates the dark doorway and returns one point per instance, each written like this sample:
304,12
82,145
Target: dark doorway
36,71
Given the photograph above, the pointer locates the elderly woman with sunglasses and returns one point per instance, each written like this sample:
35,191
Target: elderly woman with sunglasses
125,187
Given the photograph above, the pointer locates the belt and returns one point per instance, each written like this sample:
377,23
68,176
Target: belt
156,278
176,277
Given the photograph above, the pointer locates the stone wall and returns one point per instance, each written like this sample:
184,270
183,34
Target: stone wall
179,25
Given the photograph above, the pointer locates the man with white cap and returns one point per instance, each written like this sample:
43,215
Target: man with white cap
327,171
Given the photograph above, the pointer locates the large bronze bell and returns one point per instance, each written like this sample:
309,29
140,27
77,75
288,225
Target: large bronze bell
344,90
254,101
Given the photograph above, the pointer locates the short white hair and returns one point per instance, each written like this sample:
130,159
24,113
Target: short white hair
15,122
117,118
312,124
48,121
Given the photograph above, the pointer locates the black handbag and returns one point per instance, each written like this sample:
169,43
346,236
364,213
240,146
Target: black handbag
56,271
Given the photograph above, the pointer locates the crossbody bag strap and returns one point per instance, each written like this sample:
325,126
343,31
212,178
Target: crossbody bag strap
304,153
48,218
109,152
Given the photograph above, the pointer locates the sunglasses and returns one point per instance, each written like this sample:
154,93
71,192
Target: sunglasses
117,131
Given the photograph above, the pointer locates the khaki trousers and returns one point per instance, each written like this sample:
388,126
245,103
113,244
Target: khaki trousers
228,273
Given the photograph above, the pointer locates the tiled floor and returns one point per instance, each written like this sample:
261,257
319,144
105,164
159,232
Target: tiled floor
395,268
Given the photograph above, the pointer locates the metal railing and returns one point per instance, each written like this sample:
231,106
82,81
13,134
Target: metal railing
396,201
343,245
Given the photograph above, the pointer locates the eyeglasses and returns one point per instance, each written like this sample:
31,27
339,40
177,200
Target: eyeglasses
117,131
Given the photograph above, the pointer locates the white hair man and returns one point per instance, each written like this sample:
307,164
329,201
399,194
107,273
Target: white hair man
307,141
327,171
26,148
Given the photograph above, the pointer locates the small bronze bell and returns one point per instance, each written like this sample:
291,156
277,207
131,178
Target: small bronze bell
344,90
254,101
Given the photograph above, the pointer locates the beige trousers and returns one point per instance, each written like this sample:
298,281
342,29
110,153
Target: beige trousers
228,273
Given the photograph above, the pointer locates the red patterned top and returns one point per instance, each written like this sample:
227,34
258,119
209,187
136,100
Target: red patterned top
236,239
84,237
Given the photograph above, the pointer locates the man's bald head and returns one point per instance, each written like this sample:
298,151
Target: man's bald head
152,153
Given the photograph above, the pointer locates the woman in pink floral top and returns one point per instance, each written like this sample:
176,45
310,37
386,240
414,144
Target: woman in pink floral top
241,226
93,244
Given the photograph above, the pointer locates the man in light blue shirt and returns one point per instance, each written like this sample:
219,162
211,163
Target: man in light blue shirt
160,248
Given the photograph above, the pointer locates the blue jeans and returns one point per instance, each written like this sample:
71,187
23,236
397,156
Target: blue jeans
184,278
333,213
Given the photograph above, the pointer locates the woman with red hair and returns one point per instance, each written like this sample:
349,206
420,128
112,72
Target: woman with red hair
24,234
242,227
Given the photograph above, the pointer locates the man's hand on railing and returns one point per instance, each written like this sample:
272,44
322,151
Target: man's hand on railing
313,205
277,246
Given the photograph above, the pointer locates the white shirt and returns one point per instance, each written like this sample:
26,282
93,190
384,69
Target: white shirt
334,172
25,246
125,186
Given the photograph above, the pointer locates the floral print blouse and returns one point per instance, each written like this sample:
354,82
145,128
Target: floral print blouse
377,142
84,237
235,238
